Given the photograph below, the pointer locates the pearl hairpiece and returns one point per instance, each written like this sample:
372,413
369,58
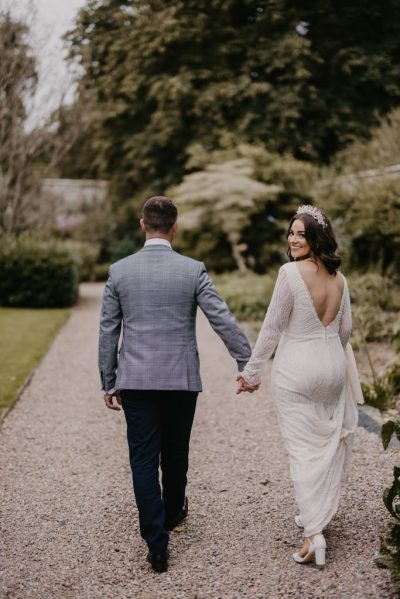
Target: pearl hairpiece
314,212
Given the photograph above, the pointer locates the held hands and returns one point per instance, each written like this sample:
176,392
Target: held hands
109,400
245,387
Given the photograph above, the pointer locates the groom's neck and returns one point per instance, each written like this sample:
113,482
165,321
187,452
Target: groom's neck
158,235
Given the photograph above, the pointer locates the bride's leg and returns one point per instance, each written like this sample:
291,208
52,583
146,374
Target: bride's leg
306,545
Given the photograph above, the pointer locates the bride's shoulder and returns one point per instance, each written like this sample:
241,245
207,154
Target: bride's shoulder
286,274
341,276
287,267
307,266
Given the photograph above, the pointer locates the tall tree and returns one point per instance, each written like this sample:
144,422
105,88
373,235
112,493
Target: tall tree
26,154
18,79
292,76
167,74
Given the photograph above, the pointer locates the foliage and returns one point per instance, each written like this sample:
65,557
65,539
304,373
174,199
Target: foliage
394,377
381,149
376,301
81,159
208,244
374,289
375,305
86,256
120,248
18,80
152,93
25,337
368,215
390,428
379,394
100,272
35,273
234,221
384,392
224,197
247,294
389,556
26,154
395,336
365,204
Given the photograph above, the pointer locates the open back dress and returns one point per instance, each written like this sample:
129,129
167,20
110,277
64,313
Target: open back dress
315,387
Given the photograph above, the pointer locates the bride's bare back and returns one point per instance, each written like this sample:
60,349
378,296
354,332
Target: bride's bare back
326,290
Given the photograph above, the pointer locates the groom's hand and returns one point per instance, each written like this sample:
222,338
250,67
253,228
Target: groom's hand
244,386
109,400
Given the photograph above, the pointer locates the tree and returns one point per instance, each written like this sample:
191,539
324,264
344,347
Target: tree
356,70
25,155
166,74
233,212
225,197
295,77
18,79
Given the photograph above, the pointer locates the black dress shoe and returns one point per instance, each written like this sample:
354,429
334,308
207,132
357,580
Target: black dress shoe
158,561
171,523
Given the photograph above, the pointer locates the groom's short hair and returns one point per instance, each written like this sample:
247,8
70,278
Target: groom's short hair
159,214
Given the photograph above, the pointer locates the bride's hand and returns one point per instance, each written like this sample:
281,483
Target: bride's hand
243,386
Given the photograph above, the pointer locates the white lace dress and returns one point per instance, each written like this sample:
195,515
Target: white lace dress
315,387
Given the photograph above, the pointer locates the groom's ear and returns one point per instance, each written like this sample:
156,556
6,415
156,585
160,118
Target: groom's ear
175,227
142,226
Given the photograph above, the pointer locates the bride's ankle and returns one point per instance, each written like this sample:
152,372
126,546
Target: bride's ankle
312,537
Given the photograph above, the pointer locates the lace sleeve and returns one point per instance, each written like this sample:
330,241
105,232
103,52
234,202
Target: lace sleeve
345,321
275,322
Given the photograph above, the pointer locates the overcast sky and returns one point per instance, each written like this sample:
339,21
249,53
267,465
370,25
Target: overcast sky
49,19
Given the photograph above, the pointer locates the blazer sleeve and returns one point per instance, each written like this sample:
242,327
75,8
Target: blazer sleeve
110,329
221,319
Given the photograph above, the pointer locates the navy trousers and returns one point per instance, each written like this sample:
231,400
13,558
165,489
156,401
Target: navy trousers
159,424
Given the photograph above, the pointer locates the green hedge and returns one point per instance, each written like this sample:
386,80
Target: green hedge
86,256
247,294
36,273
375,306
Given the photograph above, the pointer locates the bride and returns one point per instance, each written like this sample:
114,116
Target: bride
314,378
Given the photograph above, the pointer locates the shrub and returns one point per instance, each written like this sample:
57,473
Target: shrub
375,290
393,377
375,304
389,555
120,248
36,273
86,256
395,336
379,394
100,273
366,214
384,390
247,294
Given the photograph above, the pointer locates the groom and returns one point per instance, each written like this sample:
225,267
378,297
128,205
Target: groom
154,295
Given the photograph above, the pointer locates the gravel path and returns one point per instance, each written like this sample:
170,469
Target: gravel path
69,526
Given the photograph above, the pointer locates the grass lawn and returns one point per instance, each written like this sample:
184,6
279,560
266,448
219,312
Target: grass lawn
25,336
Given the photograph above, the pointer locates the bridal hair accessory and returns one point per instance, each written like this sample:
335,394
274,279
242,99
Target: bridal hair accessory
314,212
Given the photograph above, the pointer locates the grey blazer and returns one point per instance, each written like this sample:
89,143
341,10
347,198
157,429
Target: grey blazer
154,295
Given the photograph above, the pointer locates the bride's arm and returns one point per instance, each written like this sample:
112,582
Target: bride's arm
345,322
275,322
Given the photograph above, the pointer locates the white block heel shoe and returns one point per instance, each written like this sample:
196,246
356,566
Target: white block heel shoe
316,551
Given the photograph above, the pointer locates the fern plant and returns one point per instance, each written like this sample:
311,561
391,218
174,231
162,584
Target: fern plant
389,556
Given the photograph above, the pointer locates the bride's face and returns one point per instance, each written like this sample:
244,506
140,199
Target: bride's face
299,246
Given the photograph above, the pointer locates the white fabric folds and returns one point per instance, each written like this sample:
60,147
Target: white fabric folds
315,388
352,377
